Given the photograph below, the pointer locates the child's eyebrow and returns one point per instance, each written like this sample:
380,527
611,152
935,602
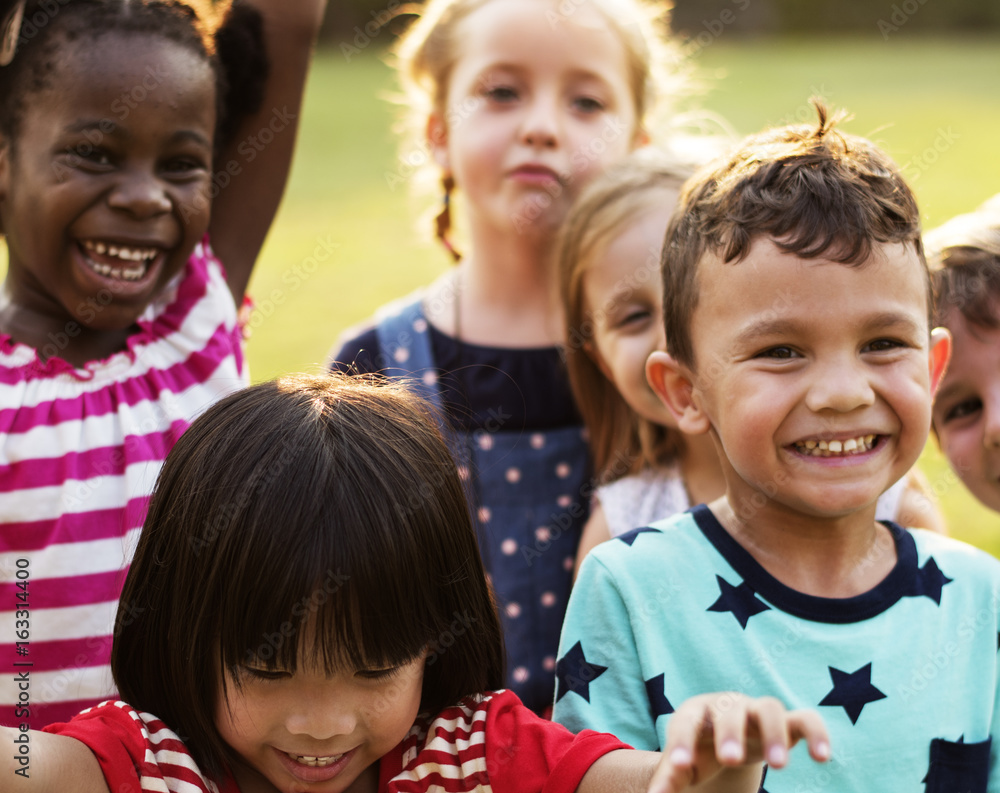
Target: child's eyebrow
519,70
883,320
893,319
105,126
192,135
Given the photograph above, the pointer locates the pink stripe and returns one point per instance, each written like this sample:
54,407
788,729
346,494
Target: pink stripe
145,388
67,655
54,593
193,286
98,524
43,715
78,466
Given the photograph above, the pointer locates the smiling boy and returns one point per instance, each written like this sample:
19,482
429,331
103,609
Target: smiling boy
797,309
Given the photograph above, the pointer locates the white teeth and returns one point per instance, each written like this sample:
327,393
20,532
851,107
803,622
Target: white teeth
814,448
141,256
315,762
120,251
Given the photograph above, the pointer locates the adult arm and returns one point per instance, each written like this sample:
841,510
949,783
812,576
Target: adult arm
243,210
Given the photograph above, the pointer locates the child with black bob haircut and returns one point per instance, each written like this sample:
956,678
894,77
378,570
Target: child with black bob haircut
797,311
964,256
308,609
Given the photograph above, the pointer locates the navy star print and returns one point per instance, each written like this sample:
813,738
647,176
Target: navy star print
574,673
740,600
852,691
629,537
929,581
659,705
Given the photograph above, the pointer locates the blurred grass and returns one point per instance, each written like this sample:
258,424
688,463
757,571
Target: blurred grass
932,99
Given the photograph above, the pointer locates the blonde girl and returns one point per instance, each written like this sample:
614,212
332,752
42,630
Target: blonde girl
609,264
520,103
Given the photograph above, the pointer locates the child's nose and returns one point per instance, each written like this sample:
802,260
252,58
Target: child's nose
141,194
841,387
321,718
541,125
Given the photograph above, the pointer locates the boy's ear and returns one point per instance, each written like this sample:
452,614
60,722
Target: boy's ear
674,385
938,357
437,140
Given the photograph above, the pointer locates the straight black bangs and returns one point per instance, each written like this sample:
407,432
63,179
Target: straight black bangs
321,551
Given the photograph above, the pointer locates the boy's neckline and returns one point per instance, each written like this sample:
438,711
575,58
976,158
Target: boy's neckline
903,580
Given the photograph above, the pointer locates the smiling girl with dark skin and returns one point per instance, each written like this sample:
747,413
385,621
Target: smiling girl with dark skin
121,182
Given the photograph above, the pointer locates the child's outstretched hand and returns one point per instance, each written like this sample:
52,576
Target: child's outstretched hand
712,733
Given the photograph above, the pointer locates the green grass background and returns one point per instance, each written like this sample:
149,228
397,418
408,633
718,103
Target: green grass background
909,95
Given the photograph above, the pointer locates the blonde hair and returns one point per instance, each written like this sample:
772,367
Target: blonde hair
621,441
964,257
426,53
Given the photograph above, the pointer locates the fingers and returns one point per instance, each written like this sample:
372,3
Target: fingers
673,774
711,732
808,725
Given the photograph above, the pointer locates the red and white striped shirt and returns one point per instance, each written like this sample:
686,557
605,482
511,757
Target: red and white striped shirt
80,449
487,742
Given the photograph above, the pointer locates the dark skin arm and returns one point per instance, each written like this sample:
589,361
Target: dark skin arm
242,211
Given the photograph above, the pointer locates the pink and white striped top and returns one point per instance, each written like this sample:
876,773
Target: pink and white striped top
80,450
486,742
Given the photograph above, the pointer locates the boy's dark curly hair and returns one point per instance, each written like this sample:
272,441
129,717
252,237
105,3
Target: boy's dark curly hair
813,190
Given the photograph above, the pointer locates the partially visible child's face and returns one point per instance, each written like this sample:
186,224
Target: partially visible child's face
538,102
967,407
814,377
311,731
622,299
105,192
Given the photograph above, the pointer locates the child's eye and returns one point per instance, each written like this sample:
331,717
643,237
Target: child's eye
588,104
378,674
779,353
967,407
183,166
881,345
501,94
86,154
635,317
258,673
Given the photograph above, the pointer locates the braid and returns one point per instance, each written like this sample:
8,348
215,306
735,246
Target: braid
442,223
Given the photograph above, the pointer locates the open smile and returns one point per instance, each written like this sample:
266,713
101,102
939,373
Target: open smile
315,762
847,447
118,261
314,768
